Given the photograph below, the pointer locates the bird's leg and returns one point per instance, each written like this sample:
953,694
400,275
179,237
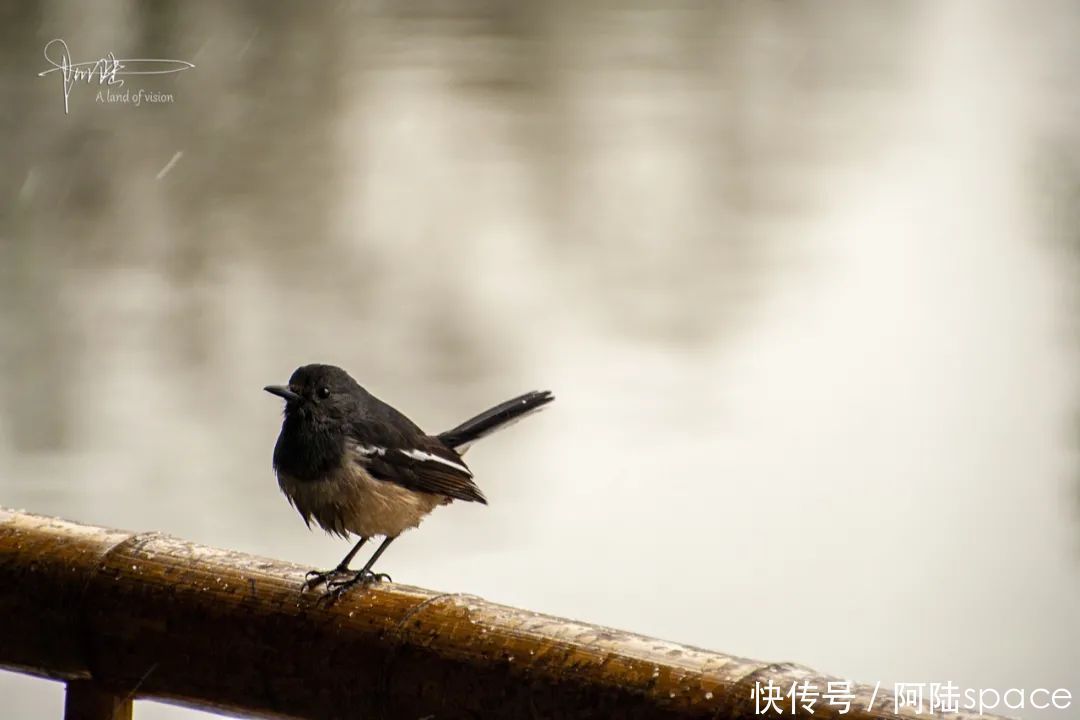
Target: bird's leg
315,578
337,586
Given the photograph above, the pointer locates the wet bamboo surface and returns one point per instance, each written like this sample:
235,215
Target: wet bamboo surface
151,616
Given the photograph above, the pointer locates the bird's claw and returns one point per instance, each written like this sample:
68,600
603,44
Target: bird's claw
315,578
337,586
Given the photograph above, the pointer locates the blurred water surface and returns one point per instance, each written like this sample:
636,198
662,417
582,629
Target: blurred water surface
804,278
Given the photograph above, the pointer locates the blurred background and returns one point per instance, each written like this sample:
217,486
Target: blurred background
805,278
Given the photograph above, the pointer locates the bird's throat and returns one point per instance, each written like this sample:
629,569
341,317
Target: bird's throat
307,450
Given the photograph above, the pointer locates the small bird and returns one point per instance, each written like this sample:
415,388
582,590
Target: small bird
355,465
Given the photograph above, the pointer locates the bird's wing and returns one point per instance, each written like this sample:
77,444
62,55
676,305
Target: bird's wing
423,464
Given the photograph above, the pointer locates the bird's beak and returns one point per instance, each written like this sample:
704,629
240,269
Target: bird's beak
282,391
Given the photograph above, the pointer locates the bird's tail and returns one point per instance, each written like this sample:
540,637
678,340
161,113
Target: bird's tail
498,417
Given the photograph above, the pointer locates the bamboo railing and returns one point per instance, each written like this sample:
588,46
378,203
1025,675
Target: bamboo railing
119,616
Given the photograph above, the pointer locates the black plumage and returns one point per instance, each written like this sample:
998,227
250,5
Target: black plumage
354,464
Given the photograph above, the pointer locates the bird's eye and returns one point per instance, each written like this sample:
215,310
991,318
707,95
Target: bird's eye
323,392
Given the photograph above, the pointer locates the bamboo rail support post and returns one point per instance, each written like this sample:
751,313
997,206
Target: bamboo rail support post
86,700
120,616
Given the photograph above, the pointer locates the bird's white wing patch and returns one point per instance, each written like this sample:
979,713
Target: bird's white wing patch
424,456
368,451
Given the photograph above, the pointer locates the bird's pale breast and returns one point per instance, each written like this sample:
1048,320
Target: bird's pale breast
350,500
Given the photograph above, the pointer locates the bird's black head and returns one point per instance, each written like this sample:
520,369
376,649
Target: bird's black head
319,393
321,401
